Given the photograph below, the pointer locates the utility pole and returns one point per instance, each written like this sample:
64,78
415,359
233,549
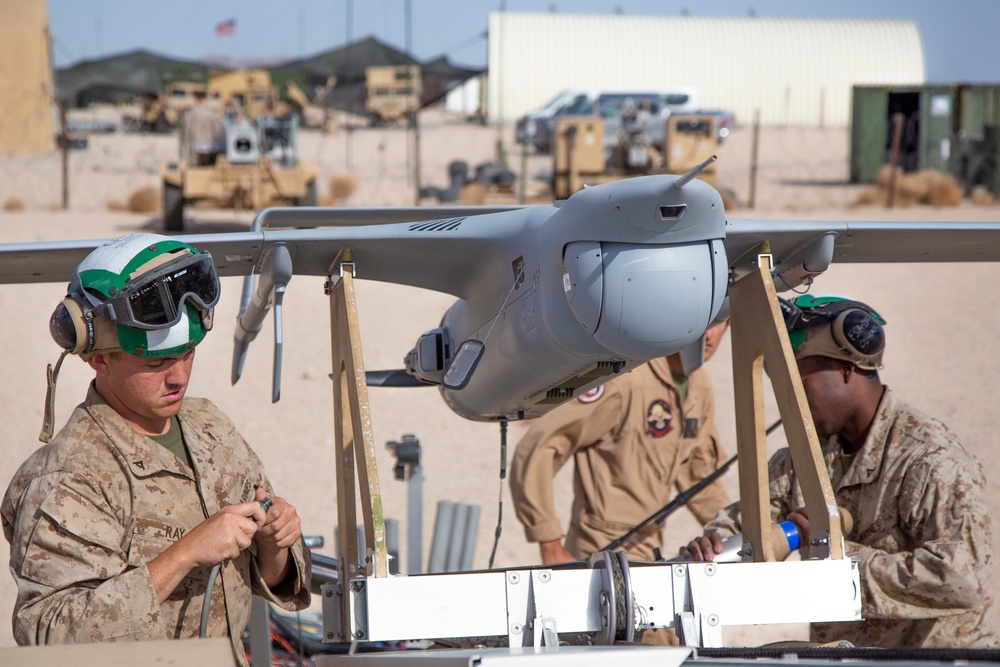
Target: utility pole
501,152
413,143
349,36
64,150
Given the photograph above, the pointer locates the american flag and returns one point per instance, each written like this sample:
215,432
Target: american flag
226,28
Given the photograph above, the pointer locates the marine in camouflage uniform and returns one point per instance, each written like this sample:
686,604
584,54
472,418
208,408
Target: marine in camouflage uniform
632,441
916,494
86,513
116,524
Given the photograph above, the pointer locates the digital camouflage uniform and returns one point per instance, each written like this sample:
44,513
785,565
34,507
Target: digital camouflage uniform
632,444
921,532
86,513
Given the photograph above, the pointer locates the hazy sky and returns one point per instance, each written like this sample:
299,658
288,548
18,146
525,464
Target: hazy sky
960,36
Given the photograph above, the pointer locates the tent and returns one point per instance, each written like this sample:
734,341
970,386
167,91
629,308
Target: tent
123,77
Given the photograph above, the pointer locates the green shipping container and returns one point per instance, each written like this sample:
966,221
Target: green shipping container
950,128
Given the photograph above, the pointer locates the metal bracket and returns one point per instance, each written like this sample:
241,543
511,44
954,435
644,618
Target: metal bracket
545,632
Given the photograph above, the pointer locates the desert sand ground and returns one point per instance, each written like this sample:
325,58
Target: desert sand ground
942,323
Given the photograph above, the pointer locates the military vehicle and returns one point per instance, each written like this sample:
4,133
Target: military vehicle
249,91
393,92
257,167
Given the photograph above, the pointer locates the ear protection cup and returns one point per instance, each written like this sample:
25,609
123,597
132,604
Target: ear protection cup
860,334
71,328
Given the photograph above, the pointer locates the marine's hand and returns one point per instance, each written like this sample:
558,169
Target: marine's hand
703,548
554,552
282,526
800,517
223,535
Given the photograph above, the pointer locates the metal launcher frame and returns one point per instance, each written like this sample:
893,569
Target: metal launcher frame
611,599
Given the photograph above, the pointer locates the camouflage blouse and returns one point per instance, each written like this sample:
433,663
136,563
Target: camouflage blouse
86,513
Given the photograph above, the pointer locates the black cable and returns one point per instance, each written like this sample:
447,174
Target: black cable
503,476
682,498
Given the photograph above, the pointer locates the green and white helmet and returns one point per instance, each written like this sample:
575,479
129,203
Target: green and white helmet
146,294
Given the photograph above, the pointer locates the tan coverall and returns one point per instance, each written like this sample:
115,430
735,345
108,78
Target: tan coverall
86,513
920,532
631,443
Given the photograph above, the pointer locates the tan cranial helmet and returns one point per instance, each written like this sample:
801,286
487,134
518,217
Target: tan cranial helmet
836,328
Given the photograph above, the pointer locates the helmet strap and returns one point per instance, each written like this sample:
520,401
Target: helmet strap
52,375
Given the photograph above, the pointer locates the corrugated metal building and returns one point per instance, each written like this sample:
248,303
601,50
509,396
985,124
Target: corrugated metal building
798,72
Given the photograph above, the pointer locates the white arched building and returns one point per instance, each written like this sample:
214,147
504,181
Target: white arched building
797,72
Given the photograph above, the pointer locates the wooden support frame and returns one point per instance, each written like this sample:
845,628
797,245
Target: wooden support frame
355,446
759,334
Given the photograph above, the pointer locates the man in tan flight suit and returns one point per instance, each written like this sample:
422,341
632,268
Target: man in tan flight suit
632,440
917,495
147,505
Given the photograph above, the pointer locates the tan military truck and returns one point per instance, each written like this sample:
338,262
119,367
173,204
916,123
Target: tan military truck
393,92
248,91
258,166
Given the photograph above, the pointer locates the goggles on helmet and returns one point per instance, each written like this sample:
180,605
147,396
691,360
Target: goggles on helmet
155,299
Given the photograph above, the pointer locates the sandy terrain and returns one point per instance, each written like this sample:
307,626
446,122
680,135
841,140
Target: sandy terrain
942,323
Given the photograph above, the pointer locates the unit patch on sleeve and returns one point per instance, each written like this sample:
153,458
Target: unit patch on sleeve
658,419
592,395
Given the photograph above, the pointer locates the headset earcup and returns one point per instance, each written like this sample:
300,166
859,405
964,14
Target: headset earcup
70,328
860,334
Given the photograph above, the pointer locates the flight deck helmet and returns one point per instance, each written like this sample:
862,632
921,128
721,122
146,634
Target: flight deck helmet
146,294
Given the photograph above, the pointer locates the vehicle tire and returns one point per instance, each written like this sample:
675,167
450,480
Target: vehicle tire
309,198
173,208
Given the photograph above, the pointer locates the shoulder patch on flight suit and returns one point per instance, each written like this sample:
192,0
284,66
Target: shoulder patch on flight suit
591,395
658,419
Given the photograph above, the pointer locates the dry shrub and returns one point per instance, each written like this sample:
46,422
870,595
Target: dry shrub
342,186
144,200
917,186
927,186
13,204
325,200
115,205
473,194
946,192
981,196
884,176
871,195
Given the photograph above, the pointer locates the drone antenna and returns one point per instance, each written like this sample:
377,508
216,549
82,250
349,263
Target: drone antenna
693,172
